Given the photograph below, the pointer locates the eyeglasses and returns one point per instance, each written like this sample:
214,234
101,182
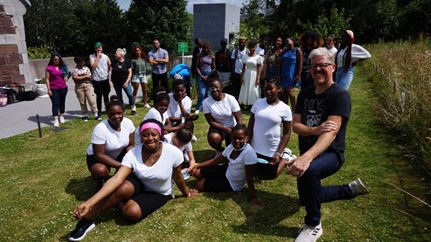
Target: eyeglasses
214,89
321,66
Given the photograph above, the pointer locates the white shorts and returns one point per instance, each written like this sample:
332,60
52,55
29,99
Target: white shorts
139,78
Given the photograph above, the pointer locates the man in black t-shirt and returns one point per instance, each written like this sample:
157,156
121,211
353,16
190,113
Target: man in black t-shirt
320,120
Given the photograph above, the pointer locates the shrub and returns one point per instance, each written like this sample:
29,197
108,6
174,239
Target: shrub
402,79
35,53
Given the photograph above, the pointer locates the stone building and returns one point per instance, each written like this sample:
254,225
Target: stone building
14,65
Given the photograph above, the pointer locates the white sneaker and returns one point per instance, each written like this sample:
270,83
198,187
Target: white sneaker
358,187
56,123
194,138
147,105
62,119
288,155
197,112
309,233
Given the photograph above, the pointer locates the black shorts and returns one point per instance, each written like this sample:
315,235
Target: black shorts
224,135
215,179
91,159
266,171
148,201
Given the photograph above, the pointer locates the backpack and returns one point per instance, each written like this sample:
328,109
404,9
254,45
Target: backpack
26,96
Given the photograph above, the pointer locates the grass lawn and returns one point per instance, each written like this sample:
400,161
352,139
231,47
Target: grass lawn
44,179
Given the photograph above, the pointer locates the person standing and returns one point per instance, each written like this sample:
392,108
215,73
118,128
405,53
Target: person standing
205,63
101,70
250,78
270,69
236,66
158,58
196,51
320,120
347,57
331,43
84,90
139,70
56,76
122,77
290,71
308,41
223,63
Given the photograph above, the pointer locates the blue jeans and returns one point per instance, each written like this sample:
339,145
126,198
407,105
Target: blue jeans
118,89
344,78
310,190
204,90
58,99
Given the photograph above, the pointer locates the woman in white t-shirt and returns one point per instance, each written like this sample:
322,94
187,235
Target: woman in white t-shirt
222,112
142,185
231,170
111,140
267,114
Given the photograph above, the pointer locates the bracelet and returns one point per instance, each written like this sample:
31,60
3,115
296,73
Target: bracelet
183,120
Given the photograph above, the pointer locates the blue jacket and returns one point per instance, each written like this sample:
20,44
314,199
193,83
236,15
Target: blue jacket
183,70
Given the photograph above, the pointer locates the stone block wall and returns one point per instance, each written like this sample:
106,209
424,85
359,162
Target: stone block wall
14,66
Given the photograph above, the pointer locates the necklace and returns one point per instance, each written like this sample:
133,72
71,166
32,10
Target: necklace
120,65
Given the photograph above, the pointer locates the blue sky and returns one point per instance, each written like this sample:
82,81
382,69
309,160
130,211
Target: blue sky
124,4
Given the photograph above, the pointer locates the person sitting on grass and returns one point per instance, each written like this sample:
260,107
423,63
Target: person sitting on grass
142,184
270,128
239,163
111,140
182,140
159,112
180,105
222,112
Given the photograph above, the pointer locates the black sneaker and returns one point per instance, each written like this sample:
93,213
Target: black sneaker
82,228
133,112
98,117
85,118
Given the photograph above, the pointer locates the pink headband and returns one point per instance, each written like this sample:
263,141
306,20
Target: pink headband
150,125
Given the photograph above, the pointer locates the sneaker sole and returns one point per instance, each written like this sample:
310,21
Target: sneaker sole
85,233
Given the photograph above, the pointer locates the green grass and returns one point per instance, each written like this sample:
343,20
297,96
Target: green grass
44,179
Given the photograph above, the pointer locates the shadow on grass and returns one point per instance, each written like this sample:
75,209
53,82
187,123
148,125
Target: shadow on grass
203,155
263,221
82,188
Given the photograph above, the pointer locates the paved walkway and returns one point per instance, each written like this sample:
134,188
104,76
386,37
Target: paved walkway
20,117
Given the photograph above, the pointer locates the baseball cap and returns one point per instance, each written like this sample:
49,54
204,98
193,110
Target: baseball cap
97,45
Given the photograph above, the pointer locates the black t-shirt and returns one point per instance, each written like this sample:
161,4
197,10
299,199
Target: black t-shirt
120,71
222,60
315,109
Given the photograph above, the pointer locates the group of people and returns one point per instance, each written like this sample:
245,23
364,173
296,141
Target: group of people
93,82
148,157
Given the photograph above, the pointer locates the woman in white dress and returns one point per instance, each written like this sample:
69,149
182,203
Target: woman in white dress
250,77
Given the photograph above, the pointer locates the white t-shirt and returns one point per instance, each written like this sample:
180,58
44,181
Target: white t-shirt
268,121
100,73
114,141
260,51
238,61
153,113
187,147
333,50
156,178
222,110
174,108
235,172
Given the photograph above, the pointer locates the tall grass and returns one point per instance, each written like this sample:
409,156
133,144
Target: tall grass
401,73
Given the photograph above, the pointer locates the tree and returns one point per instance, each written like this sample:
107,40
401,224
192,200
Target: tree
71,27
156,18
50,25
